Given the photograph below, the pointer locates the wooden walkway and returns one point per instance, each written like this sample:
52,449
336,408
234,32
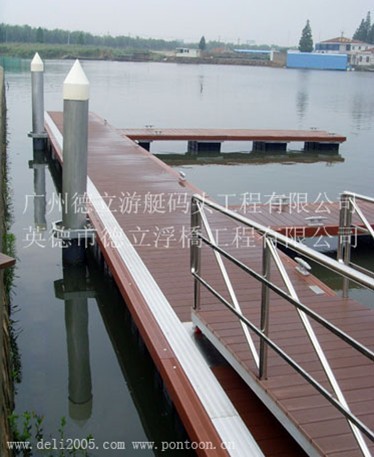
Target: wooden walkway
317,420
151,204
153,134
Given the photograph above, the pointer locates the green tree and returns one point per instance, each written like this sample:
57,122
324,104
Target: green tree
360,32
363,33
306,40
40,35
81,38
371,35
367,26
202,44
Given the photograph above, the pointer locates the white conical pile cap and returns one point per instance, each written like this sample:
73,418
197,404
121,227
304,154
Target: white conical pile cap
37,63
76,84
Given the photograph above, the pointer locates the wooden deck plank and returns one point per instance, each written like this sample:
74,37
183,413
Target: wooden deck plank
255,414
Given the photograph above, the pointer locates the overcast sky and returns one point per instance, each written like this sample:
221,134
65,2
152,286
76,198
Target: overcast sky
264,21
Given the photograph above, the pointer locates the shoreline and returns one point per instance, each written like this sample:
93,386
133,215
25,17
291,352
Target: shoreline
6,385
280,62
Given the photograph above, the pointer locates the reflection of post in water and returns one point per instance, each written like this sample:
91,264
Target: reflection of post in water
302,96
75,291
301,103
150,396
38,164
201,84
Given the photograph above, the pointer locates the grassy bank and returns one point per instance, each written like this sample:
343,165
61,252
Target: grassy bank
7,247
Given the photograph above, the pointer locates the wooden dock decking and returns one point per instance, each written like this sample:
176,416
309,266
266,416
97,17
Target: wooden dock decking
314,416
151,205
209,140
153,134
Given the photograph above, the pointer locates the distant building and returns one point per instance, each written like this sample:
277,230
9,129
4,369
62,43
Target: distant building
358,52
257,53
341,45
187,52
317,61
363,58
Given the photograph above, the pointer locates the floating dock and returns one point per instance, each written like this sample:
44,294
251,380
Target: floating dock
209,140
141,211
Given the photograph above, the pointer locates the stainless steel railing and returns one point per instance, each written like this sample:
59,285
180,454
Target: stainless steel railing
203,234
350,204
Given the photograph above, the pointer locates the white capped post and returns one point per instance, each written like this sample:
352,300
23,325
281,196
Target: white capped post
37,83
75,134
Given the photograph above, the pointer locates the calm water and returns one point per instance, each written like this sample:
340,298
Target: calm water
127,403
135,95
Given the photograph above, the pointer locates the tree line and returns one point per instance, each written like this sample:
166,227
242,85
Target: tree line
28,34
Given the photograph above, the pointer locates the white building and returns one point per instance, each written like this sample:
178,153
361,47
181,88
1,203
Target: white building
363,58
359,53
187,52
341,45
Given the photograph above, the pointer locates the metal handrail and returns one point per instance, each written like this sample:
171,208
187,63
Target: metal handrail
270,238
296,246
349,205
230,288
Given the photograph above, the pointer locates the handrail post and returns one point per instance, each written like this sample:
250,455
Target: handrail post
195,259
344,240
348,244
264,309
342,225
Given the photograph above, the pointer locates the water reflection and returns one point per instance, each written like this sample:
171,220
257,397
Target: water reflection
301,104
362,111
38,164
302,95
201,84
79,284
254,158
75,289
